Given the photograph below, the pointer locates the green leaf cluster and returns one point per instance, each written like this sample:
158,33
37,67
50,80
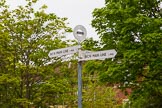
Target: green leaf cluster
26,37
132,28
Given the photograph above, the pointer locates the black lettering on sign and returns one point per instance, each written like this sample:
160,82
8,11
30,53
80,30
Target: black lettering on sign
87,56
95,55
59,52
65,51
72,50
53,53
103,54
81,33
111,53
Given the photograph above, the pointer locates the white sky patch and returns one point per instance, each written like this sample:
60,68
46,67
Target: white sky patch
78,12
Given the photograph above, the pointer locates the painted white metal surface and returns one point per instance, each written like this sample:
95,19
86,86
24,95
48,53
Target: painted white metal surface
98,55
63,51
80,33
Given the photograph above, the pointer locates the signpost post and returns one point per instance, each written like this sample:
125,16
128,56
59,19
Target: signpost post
80,34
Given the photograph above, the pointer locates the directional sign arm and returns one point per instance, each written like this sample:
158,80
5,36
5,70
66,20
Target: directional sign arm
98,55
63,51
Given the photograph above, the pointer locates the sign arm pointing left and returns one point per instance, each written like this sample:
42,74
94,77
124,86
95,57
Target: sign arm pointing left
63,51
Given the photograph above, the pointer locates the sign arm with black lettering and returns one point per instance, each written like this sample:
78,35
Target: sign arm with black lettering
98,55
63,51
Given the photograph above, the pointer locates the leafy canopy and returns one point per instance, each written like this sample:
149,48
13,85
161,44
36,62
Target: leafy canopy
132,27
26,37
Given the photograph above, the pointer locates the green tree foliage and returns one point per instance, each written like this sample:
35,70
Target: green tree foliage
91,45
132,27
95,93
26,37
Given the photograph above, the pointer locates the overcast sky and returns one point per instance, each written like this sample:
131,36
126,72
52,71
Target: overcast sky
78,12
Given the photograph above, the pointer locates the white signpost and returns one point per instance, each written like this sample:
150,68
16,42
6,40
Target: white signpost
80,34
98,55
63,51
